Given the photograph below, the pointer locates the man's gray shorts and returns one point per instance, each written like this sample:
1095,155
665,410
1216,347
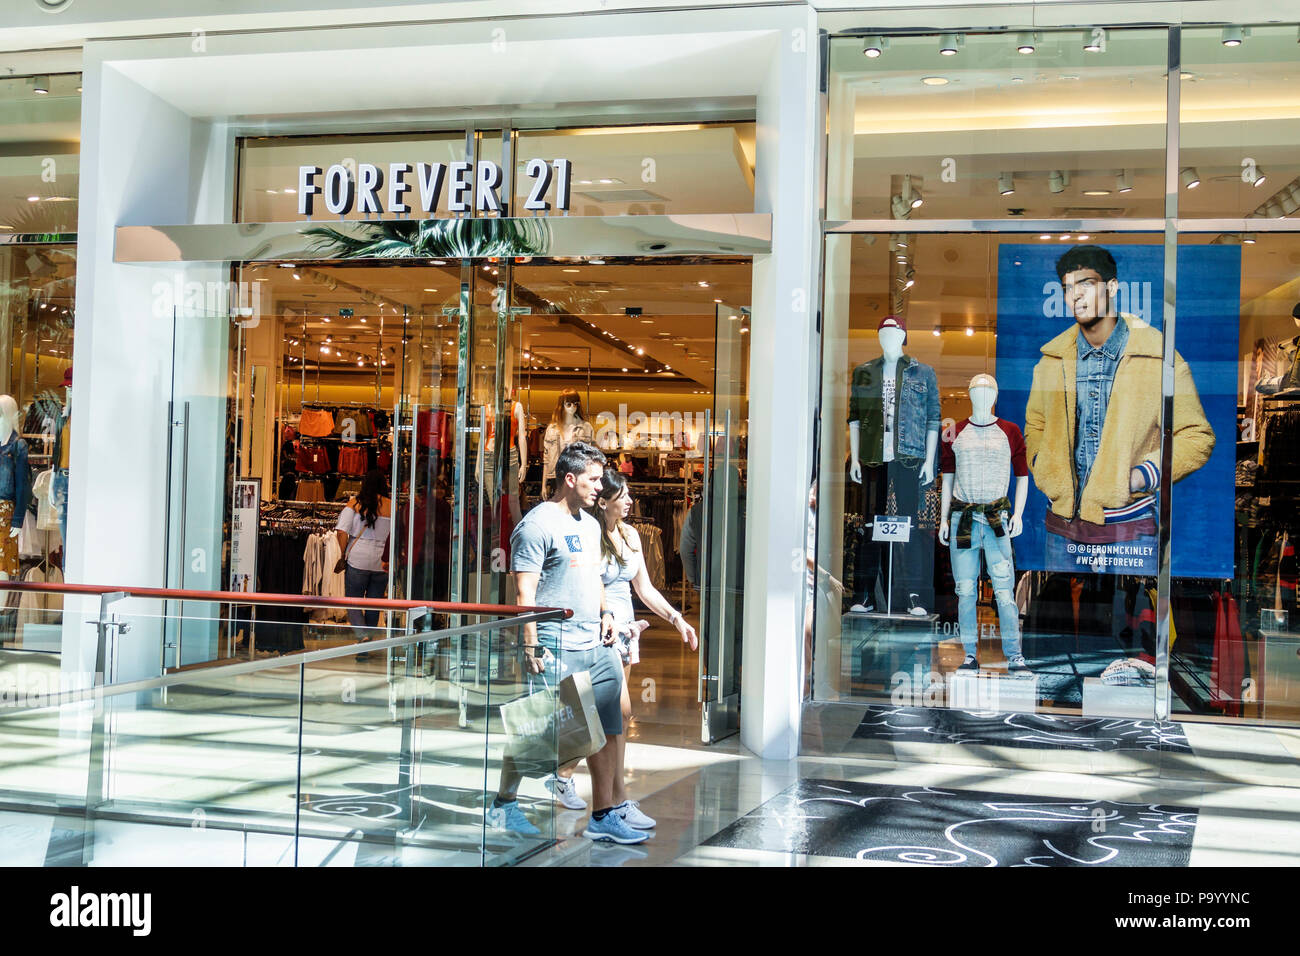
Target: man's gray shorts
606,671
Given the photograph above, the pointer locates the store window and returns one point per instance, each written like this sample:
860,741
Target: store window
1235,649
40,130
1066,124
992,512
1239,112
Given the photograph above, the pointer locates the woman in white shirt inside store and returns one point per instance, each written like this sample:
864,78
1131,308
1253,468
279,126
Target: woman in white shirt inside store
623,569
362,530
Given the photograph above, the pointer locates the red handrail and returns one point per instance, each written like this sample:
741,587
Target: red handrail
295,600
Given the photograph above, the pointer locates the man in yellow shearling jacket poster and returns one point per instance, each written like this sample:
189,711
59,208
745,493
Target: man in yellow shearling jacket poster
1092,426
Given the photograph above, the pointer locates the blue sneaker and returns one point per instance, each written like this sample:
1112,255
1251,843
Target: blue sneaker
614,829
508,816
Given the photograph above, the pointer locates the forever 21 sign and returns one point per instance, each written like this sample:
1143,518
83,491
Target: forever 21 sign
469,187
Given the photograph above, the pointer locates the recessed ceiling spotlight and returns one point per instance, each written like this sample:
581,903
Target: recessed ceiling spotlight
1025,43
1096,192
1006,185
935,332
874,47
935,80
969,330
41,84
1124,181
1190,177
949,43
1233,36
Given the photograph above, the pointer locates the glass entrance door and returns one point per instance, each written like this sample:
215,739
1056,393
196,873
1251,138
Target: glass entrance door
722,545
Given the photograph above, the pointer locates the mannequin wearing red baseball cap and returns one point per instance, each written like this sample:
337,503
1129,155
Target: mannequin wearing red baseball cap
894,430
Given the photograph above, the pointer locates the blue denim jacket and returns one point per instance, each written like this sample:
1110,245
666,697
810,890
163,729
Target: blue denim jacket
15,478
917,409
1094,376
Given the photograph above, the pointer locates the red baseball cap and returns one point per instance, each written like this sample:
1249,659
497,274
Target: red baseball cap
893,322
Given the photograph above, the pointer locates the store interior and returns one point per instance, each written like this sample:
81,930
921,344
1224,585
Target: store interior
356,366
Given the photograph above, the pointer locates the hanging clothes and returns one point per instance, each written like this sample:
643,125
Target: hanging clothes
1228,667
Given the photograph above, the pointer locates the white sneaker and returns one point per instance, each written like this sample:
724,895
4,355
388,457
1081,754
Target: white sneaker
566,792
633,816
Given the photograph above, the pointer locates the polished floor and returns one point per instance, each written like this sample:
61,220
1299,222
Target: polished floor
223,773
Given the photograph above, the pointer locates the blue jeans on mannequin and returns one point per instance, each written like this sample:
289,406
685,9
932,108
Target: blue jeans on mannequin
1002,572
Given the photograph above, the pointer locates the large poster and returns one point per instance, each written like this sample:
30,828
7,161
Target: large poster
1094,470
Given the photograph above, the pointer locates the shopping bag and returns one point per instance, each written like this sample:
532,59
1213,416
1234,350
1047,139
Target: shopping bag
553,727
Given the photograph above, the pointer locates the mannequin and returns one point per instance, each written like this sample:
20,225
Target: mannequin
977,463
1289,380
567,426
15,487
58,499
894,430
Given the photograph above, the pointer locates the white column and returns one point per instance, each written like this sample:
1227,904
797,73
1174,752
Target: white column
784,312
144,162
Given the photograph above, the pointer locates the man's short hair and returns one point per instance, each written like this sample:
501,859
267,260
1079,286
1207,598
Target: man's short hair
1095,258
576,458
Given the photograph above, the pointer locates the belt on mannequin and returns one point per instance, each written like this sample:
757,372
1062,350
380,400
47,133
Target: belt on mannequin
966,515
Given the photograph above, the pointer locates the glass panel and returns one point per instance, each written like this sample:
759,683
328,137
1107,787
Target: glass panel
644,170
723,550
1071,584
1236,635
268,171
1239,123
1056,131
207,407
40,142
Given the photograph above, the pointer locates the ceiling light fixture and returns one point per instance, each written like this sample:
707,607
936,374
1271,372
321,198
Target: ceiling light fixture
874,47
935,80
1190,177
1233,36
1259,176
41,84
1057,180
912,194
1094,41
1025,43
949,43
1096,192
935,332
1124,181
969,331
1006,184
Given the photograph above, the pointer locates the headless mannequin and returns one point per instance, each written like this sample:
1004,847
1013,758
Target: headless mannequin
1290,348
982,400
9,430
891,347
516,412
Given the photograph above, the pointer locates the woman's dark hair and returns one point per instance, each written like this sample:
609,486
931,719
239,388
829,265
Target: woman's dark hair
612,485
372,488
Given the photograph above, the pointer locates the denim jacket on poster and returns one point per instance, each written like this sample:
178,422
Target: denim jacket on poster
15,478
917,409
1094,376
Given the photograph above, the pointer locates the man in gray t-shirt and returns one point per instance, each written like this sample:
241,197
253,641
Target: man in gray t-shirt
555,556
564,550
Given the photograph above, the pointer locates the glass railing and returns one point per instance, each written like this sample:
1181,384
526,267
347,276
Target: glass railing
342,753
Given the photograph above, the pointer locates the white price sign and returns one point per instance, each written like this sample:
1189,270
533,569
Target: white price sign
892,528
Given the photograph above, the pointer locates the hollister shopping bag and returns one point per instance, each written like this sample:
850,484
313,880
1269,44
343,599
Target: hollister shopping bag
552,728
